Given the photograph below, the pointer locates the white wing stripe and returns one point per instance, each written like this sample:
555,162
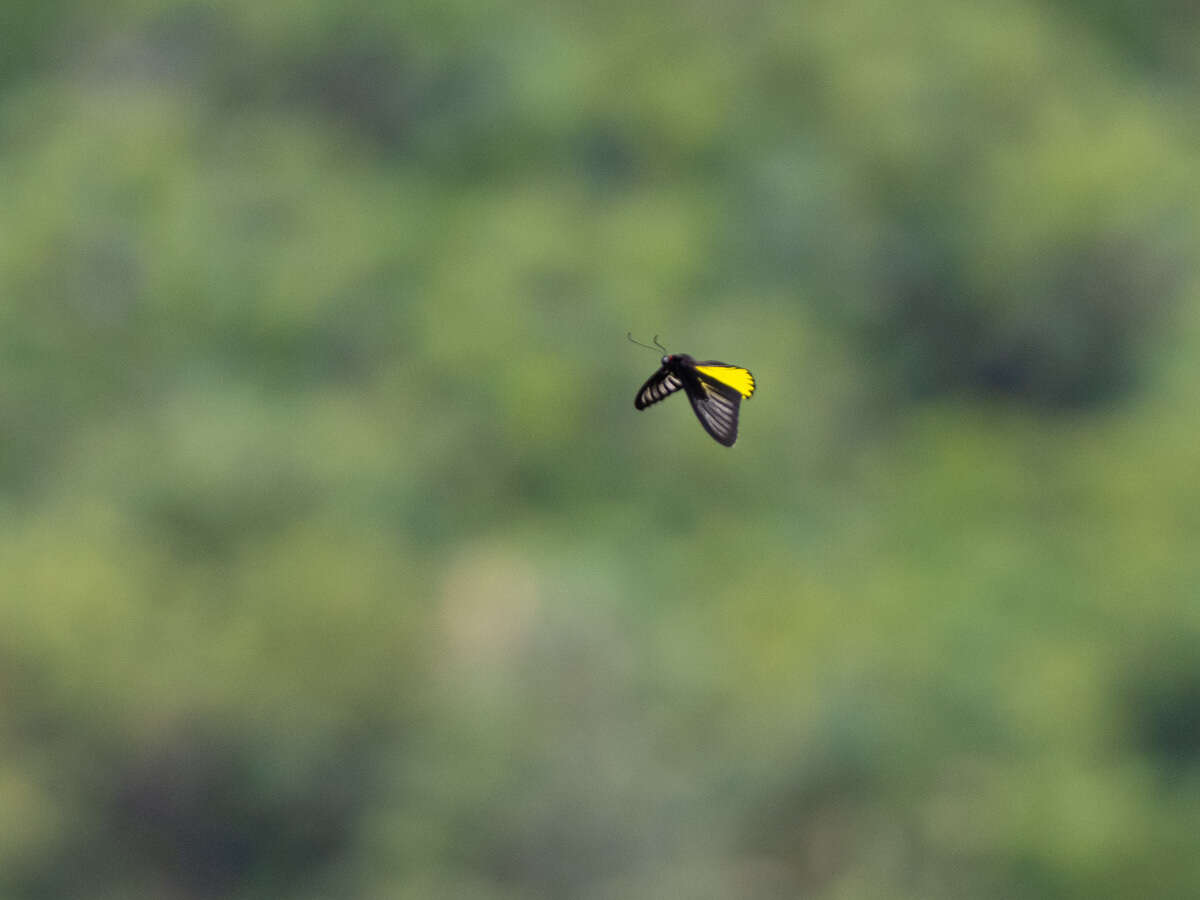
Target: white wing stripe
657,388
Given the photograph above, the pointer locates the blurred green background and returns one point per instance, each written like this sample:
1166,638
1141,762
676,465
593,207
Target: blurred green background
335,561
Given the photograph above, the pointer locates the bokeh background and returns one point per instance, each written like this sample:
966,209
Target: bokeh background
335,561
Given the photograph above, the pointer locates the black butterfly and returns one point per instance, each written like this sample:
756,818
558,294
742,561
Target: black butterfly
716,390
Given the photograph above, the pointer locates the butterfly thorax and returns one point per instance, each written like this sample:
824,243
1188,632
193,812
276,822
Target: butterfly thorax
683,367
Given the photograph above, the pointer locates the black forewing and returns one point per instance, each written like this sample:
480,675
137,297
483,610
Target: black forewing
661,384
716,406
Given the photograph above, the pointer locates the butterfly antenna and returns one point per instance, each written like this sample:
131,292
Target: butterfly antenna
629,334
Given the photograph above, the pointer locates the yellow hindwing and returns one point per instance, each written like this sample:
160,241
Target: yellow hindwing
737,378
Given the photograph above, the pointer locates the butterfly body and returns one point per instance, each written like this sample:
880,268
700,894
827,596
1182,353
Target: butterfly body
715,389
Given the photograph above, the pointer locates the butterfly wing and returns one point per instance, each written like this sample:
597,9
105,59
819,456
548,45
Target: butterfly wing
732,376
661,384
716,405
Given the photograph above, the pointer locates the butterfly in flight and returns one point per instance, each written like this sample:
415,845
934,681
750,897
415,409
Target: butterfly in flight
715,389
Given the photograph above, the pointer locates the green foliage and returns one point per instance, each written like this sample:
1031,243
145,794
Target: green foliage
334,560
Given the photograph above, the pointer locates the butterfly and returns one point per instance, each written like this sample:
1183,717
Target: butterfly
715,389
